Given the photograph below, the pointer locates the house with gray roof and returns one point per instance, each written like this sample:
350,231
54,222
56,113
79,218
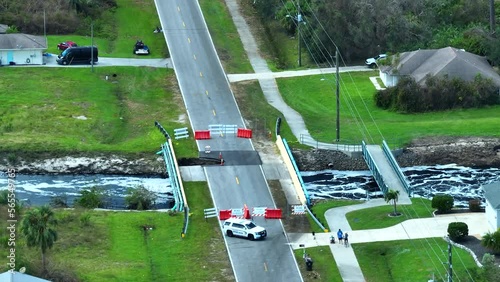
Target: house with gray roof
492,197
22,49
449,61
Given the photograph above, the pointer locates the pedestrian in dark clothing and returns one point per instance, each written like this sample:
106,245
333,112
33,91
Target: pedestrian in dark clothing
346,239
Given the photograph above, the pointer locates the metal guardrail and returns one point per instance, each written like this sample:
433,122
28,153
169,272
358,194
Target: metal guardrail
388,153
310,141
297,171
186,221
316,220
174,179
374,169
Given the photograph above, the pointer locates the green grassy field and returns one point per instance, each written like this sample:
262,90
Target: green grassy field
413,260
323,264
315,99
115,246
45,111
377,217
321,207
225,36
133,20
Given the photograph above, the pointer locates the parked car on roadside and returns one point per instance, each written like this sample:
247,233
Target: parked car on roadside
243,228
78,55
372,62
65,45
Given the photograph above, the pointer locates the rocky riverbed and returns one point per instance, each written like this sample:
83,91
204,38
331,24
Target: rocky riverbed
471,152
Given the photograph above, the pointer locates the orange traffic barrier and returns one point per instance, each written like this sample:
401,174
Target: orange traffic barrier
273,213
224,214
244,133
246,212
202,134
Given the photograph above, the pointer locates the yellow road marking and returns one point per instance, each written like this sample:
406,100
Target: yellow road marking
178,9
206,92
201,74
189,40
213,111
265,267
183,24
194,56
237,181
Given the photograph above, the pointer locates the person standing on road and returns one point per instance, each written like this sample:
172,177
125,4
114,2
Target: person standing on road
340,235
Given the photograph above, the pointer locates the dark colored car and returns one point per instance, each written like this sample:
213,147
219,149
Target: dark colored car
65,45
78,55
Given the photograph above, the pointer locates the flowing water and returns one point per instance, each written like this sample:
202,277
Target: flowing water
40,189
463,183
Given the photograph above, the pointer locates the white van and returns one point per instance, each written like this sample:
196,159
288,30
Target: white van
243,228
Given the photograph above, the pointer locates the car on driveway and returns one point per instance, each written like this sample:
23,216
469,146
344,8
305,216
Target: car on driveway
243,228
372,62
65,45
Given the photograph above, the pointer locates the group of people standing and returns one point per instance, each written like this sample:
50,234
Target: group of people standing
341,237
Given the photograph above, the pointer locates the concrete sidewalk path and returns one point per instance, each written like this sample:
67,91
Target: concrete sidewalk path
434,227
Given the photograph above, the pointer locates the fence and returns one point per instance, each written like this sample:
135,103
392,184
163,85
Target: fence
222,129
294,171
396,167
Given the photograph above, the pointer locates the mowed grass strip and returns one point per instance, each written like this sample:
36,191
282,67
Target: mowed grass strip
314,97
135,246
319,209
61,109
413,260
378,217
324,265
225,37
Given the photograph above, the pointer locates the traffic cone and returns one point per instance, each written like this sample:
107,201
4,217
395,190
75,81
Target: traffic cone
220,155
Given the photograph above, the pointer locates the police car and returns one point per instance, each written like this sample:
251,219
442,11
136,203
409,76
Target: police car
243,228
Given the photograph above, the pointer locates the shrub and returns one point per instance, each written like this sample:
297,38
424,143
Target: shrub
443,203
91,199
475,205
457,231
85,219
59,201
140,198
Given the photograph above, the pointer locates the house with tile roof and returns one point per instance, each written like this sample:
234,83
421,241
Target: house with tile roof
21,49
449,61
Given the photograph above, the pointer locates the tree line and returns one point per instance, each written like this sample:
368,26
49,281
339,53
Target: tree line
362,28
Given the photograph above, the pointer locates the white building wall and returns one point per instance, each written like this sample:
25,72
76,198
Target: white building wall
492,216
21,57
388,80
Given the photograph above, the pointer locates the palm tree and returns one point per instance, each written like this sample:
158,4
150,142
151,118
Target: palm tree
36,227
392,195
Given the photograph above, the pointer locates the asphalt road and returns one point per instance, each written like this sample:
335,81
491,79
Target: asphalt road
240,181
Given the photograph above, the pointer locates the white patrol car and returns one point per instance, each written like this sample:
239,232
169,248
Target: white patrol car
243,228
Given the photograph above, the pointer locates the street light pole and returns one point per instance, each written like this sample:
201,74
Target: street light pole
92,46
337,92
299,20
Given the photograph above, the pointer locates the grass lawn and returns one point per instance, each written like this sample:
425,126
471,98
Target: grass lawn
42,112
133,20
314,98
115,246
323,264
413,260
321,207
260,116
225,37
377,217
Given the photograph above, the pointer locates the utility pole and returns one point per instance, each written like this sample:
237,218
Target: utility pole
299,20
92,46
492,16
338,92
450,267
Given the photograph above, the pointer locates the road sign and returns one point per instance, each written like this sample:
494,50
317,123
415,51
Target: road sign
210,213
259,211
237,213
298,209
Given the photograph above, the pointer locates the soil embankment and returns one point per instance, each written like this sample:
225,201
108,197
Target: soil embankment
471,152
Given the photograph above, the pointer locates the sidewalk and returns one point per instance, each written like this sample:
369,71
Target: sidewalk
410,229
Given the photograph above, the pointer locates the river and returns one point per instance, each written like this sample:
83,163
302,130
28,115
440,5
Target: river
463,183
40,189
